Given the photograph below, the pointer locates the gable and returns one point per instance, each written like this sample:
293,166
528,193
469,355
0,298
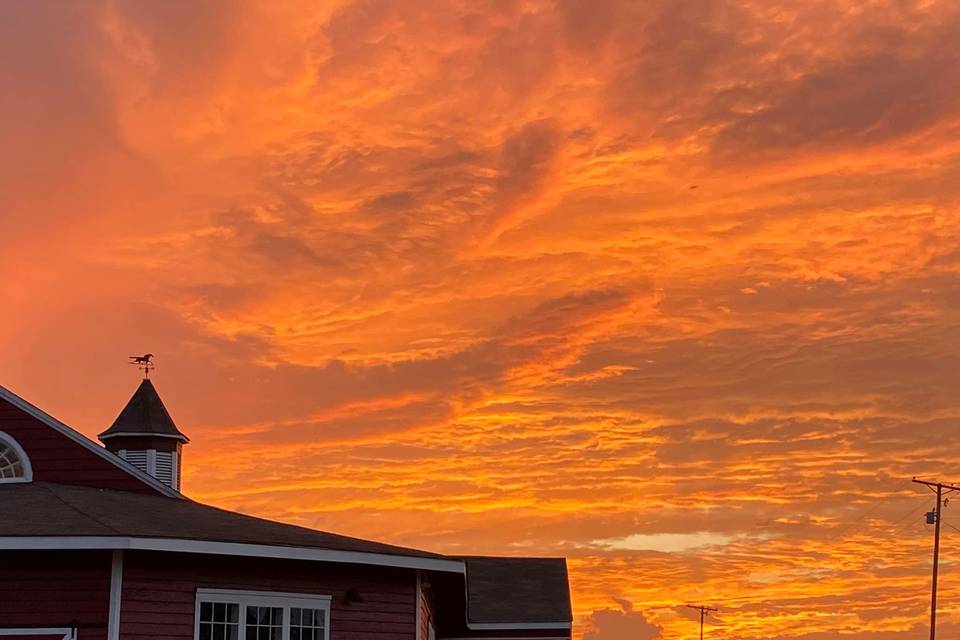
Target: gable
59,454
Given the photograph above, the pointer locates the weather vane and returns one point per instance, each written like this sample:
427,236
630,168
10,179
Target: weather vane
143,364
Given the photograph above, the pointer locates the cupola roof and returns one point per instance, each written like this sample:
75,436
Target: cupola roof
144,415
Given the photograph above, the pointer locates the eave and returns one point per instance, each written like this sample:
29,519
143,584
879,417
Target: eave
174,545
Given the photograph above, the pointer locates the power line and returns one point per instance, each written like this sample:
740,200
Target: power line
906,517
868,511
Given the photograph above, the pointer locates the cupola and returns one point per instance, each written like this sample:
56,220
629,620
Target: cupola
145,435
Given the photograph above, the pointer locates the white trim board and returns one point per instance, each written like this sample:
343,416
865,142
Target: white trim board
85,442
506,626
505,638
68,633
117,434
259,597
32,543
116,590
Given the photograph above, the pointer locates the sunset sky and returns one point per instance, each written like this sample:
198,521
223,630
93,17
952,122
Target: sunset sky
670,288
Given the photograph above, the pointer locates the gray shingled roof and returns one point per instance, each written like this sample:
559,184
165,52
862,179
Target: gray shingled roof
49,509
495,586
144,415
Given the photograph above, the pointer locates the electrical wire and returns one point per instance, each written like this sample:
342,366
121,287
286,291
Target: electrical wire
909,514
884,501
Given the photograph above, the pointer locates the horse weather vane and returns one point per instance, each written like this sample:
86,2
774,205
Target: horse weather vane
143,363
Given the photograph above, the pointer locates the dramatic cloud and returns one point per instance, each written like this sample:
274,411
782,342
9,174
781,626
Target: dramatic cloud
622,624
670,289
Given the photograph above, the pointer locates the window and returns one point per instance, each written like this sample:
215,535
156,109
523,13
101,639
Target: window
219,621
307,624
261,615
264,623
14,464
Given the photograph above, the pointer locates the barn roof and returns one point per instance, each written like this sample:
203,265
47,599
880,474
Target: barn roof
57,511
144,415
541,584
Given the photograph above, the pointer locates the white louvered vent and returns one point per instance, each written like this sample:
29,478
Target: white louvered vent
137,459
165,467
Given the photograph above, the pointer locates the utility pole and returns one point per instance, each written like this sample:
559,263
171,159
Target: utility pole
703,612
933,517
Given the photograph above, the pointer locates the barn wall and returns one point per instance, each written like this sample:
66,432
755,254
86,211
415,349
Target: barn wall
54,589
57,458
159,593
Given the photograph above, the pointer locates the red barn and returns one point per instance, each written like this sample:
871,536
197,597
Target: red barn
98,543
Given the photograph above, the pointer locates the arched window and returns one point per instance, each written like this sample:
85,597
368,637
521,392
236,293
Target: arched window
14,464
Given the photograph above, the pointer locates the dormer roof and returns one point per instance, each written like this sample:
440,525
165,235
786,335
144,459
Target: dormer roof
144,415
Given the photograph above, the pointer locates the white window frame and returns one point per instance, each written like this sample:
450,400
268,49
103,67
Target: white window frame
262,599
10,441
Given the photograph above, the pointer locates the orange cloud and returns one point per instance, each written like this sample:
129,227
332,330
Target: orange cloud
670,290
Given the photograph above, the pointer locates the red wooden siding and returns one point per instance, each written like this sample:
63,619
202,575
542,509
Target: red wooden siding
54,589
159,593
57,458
